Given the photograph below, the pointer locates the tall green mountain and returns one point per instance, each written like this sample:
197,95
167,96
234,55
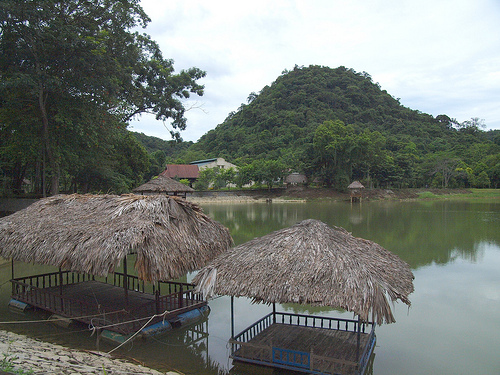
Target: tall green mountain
337,125
281,120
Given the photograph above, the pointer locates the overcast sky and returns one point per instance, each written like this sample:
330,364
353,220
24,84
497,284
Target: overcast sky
437,56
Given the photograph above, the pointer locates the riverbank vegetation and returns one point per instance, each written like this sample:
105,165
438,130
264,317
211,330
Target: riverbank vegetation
72,76
68,90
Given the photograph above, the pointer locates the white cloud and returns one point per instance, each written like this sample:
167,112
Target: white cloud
438,56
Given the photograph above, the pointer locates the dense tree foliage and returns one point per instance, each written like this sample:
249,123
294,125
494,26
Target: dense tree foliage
161,152
72,74
337,125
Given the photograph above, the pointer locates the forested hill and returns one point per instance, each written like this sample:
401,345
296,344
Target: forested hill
337,125
283,117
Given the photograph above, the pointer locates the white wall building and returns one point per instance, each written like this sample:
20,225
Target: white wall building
212,163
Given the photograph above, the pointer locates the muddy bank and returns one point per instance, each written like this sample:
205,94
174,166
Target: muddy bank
37,357
303,194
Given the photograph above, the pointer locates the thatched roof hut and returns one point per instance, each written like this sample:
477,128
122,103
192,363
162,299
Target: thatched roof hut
94,233
295,179
163,185
312,263
356,185
355,191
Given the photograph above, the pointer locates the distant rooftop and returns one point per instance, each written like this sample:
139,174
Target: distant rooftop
206,161
181,171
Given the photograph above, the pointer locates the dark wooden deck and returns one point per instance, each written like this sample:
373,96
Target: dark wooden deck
105,303
317,345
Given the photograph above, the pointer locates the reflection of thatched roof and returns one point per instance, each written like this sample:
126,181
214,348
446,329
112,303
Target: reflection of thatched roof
163,184
93,233
312,263
356,185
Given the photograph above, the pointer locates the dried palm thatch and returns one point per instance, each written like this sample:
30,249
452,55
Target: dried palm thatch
163,184
356,185
93,234
312,263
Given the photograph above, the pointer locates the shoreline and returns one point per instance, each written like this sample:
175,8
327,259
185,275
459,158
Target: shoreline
25,355
307,194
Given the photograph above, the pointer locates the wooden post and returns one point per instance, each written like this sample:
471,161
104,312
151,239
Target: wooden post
125,280
61,289
181,302
60,282
156,290
13,285
232,317
157,301
232,326
359,338
274,313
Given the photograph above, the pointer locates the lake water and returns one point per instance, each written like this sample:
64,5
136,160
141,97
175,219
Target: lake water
452,327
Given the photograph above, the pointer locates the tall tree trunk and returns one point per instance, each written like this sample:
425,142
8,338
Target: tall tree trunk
54,165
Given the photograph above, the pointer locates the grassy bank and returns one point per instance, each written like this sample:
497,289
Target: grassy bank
460,194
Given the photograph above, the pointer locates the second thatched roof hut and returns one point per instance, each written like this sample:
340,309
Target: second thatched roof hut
312,263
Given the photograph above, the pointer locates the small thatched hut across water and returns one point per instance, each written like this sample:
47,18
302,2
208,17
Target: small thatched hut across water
310,263
294,179
356,191
89,236
163,185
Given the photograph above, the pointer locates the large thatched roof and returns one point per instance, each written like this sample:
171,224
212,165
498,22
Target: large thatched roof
163,184
312,263
93,233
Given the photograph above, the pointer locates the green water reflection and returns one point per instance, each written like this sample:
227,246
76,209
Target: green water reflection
452,327
419,232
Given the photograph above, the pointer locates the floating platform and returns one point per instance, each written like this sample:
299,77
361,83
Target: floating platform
309,344
164,326
119,304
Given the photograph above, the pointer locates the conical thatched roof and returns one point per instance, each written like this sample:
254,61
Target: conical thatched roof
93,233
163,184
312,263
356,185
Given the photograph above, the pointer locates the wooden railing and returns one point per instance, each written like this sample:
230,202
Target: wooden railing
365,356
313,321
252,331
303,321
182,299
34,291
291,358
36,294
49,280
